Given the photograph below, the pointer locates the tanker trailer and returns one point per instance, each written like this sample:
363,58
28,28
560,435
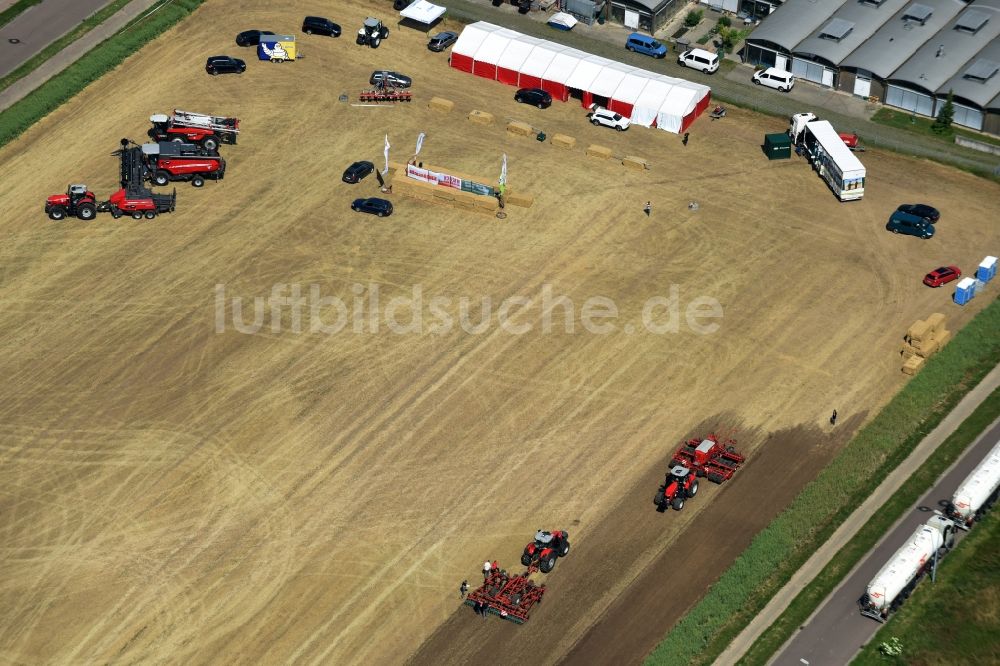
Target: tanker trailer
895,581
978,492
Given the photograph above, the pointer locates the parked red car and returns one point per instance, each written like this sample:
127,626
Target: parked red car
943,275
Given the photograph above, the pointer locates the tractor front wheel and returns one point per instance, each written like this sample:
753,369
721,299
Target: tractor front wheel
693,490
57,214
375,42
198,181
564,551
384,33
547,564
678,503
161,178
526,559
658,500
86,211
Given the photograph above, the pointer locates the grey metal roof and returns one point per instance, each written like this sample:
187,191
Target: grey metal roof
972,20
994,104
946,54
918,12
898,38
652,6
863,19
983,66
793,21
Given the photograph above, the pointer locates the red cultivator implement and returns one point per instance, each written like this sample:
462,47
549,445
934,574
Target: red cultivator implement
385,92
510,597
710,457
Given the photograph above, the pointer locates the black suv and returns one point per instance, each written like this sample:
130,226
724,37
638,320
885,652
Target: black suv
392,78
251,37
534,96
357,171
224,65
320,26
379,207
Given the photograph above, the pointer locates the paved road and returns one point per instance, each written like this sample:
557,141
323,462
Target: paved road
39,26
808,571
837,630
73,52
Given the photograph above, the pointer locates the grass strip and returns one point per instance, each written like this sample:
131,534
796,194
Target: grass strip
922,126
55,47
791,538
15,10
815,592
92,66
955,621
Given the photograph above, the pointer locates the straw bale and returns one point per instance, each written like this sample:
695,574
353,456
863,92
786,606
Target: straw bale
441,104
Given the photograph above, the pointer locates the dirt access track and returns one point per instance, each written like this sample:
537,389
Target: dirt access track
174,493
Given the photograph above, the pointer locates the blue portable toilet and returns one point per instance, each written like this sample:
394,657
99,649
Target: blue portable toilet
965,291
987,270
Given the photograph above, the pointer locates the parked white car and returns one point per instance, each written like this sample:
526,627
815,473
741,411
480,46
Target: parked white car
608,118
706,61
774,78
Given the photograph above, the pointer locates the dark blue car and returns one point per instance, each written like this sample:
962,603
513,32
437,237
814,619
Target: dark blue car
357,171
372,205
911,225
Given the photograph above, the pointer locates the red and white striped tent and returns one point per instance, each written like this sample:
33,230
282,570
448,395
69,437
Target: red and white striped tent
647,98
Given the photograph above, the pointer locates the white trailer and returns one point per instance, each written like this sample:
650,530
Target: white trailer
894,582
978,492
829,155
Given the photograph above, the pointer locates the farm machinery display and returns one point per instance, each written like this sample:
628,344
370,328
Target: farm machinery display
709,457
681,484
372,33
384,90
512,596
189,127
545,550
895,581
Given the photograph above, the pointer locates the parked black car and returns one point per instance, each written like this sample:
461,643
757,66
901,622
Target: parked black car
224,65
379,207
534,96
400,5
357,171
251,37
441,41
393,78
320,26
929,213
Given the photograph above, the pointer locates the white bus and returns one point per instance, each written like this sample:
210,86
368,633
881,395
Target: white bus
833,160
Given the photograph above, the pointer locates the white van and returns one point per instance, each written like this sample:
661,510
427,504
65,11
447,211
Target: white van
706,61
773,77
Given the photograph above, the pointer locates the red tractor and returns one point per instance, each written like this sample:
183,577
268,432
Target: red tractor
190,127
710,457
680,484
545,550
77,202
169,161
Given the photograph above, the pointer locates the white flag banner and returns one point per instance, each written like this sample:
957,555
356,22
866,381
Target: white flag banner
386,170
503,170
420,143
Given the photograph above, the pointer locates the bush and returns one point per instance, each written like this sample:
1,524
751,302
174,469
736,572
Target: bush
693,18
724,22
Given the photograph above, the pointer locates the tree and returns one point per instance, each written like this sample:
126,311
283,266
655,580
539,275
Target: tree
942,124
693,18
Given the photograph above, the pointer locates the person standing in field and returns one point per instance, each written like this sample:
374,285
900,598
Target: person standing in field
648,208
486,569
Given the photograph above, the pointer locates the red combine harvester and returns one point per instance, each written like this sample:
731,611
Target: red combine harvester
545,550
383,91
509,596
168,161
681,483
709,457
190,127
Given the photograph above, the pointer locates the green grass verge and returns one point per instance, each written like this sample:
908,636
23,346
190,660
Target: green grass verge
919,125
784,545
15,10
97,62
813,594
955,621
55,47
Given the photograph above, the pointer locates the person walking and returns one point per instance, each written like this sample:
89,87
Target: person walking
685,139
486,569
463,588
833,418
648,208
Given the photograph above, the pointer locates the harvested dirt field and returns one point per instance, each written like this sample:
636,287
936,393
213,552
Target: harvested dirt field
174,489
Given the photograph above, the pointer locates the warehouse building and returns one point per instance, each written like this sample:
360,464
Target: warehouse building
904,53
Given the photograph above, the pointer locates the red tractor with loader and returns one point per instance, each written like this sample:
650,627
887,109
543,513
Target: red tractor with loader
545,550
680,485
709,457
189,127
168,161
510,596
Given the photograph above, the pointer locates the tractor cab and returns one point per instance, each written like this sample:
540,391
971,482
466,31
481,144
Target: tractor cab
679,473
75,193
542,538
